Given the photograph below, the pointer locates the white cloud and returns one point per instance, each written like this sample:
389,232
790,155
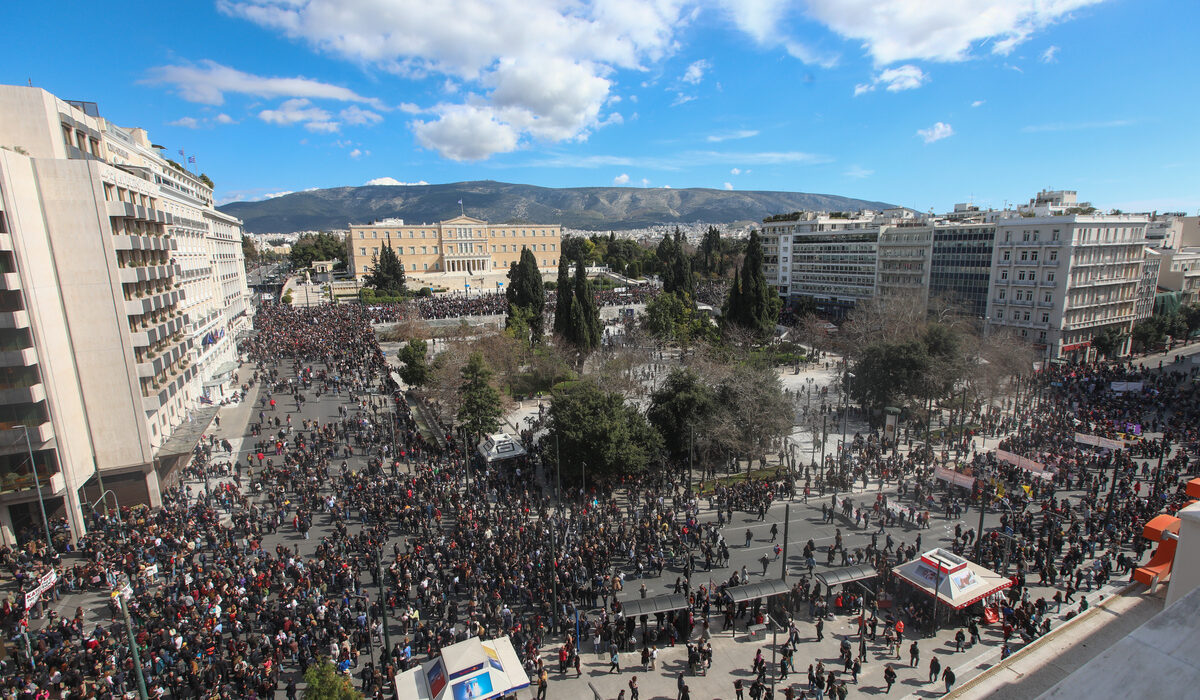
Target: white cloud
978,103
1076,126
393,182
186,122
767,23
645,182
300,111
906,77
225,119
732,135
695,72
357,116
410,108
466,132
682,99
1050,55
735,171
359,153
857,172
528,70
729,185
937,132
622,179
273,195
208,82
933,30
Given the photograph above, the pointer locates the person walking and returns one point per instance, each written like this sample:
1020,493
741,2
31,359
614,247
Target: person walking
914,655
633,688
614,662
948,677
889,677
935,668
738,690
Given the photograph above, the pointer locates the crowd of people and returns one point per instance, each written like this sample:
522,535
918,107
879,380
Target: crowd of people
321,528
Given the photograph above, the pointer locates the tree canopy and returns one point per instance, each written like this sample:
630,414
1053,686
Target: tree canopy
415,371
599,436
752,304
321,246
1108,341
323,682
680,407
581,325
386,274
479,409
526,296
672,317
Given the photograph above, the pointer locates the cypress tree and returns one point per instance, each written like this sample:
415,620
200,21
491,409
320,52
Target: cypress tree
562,303
525,291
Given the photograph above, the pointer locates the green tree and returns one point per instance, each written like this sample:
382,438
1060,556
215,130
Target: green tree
583,319
321,246
577,249
527,294
386,274
673,317
415,371
565,293
752,304
206,180
888,372
1191,319
599,436
323,682
479,408
681,407
250,254
1108,341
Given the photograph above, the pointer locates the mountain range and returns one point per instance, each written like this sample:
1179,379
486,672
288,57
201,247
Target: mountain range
587,208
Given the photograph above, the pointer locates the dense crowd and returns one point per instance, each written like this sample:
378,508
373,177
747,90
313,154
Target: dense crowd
231,596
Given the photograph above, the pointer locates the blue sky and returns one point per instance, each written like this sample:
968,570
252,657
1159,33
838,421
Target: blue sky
922,103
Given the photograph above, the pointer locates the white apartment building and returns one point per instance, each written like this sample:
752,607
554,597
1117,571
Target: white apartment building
1059,280
98,346
829,257
940,261
1181,273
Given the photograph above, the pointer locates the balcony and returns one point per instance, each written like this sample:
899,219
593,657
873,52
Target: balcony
14,319
6,241
151,404
126,210
10,281
23,394
133,242
147,273
18,358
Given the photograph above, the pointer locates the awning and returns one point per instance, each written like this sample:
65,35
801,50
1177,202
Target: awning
187,435
759,589
955,581
652,606
848,574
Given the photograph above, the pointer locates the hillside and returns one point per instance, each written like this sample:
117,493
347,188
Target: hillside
592,208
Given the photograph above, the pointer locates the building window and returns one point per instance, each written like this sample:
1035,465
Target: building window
1049,276
1045,318
1054,255
1000,315
1024,255
1025,316
362,251
1004,274
1033,255
1002,294
1007,256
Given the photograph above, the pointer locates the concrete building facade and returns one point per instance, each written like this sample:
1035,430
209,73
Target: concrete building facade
1059,280
99,351
830,258
459,246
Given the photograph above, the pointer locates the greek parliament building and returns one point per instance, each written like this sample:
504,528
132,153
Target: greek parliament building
122,291
458,246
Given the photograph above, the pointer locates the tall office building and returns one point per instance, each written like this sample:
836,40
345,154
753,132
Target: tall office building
101,354
936,263
830,258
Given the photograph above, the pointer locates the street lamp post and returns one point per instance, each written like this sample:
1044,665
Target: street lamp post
133,648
